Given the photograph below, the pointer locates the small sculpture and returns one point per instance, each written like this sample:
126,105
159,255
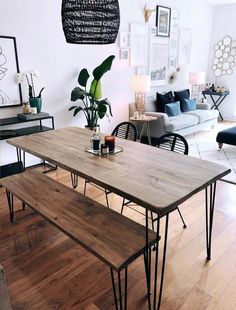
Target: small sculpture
148,13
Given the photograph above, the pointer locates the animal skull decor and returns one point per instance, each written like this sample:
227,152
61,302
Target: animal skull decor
224,57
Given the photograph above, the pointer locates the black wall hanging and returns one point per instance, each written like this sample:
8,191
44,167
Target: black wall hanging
90,21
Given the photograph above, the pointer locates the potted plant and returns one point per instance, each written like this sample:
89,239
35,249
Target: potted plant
35,101
90,99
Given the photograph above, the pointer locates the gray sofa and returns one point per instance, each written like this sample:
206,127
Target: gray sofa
185,123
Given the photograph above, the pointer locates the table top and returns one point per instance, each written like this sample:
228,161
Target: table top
209,92
156,179
144,118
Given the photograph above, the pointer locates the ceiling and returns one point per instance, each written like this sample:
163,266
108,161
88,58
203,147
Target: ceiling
218,2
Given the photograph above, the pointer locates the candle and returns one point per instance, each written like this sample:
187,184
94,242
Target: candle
104,149
110,142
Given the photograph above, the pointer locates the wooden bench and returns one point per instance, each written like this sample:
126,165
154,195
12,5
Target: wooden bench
4,298
111,237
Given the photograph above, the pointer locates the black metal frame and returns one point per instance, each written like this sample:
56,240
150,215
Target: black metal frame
218,101
10,199
210,204
120,304
21,158
74,180
210,192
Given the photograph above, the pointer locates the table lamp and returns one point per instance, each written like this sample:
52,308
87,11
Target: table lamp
140,84
196,79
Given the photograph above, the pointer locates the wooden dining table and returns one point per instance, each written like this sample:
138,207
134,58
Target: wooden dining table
155,179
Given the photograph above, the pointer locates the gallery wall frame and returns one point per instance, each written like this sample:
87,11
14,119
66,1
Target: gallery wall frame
139,44
158,61
10,91
163,21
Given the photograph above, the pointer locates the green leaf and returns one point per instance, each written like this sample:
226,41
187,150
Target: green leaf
30,91
96,89
83,77
72,108
77,93
102,110
107,103
40,92
103,68
77,110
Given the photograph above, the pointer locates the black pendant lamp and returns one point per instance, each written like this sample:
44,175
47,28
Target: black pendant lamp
90,21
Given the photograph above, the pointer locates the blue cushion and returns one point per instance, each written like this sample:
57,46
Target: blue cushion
173,109
189,105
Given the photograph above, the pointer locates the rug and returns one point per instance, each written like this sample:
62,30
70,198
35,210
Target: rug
203,145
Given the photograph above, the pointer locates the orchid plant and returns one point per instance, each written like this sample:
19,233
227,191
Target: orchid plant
29,76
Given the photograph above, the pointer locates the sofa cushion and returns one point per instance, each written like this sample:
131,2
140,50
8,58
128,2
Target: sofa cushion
189,105
181,121
204,115
181,95
161,100
172,109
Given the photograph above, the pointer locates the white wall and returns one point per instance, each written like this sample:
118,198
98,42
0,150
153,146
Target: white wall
224,24
41,45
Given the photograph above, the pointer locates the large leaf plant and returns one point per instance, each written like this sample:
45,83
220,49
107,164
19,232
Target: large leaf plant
90,100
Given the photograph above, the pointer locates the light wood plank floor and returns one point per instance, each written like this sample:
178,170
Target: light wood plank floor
45,270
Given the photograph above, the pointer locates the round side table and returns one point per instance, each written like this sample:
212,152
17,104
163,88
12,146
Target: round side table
145,120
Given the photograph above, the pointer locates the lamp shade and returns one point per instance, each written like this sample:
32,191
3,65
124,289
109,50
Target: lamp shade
90,21
197,78
141,83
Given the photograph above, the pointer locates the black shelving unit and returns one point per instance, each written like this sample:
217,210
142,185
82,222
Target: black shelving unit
37,127
6,134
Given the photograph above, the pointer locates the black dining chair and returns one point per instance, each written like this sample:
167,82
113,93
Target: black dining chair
170,142
124,130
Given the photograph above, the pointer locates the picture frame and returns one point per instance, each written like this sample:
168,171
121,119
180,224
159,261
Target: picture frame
139,41
158,61
163,21
124,39
10,91
153,30
124,54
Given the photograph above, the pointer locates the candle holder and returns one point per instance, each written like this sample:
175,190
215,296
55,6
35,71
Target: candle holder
110,142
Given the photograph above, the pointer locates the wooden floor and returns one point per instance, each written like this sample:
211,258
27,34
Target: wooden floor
45,270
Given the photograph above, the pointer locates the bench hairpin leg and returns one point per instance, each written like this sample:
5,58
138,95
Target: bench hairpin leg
10,205
74,180
210,203
119,302
114,288
163,263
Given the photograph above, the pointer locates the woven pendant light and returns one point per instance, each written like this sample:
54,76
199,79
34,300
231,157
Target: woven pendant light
90,21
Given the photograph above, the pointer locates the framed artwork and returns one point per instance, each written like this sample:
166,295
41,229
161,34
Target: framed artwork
10,91
139,44
153,30
185,46
124,54
158,61
124,39
163,19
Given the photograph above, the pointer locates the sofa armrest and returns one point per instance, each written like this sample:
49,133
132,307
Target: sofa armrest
164,116
203,106
157,127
